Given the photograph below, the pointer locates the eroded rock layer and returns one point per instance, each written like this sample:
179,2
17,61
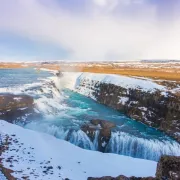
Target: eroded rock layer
155,107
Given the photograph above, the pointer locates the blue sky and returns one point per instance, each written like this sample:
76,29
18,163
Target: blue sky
19,47
89,29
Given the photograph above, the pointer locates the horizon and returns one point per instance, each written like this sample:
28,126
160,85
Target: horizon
94,61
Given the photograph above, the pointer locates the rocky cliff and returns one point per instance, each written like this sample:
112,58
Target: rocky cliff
142,100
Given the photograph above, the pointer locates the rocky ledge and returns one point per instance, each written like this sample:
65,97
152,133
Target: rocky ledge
14,108
157,107
168,168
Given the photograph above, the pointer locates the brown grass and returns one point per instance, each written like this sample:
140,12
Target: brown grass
163,73
10,65
137,72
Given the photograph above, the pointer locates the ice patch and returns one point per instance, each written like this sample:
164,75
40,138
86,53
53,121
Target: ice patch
123,100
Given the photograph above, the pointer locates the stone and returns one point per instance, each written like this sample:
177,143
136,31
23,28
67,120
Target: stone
121,177
168,168
16,107
89,130
103,123
104,127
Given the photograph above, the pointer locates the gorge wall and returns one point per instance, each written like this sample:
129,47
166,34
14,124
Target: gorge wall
140,99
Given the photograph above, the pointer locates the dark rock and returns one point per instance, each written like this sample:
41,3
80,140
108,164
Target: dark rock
103,123
12,102
121,177
102,178
103,139
104,127
59,74
15,108
168,168
89,130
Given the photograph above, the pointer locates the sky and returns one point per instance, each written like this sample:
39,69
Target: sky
89,30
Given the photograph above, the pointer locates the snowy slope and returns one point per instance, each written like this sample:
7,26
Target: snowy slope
41,156
73,80
2,177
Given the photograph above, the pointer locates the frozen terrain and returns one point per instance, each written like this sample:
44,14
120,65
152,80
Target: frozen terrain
40,156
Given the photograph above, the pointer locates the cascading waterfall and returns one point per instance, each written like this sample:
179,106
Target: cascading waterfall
128,145
120,143
125,144
95,141
79,138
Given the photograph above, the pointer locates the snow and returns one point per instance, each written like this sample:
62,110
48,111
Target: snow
48,70
143,108
33,152
123,81
123,100
2,177
17,98
73,80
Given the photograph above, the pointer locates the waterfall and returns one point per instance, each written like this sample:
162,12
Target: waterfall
95,141
49,102
120,143
152,149
79,138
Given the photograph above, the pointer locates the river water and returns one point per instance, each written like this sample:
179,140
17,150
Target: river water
64,112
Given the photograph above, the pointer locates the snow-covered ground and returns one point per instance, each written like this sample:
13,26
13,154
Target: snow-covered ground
2,177
41,156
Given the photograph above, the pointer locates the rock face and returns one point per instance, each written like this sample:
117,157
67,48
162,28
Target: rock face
103,127
155,108
15,108
168,168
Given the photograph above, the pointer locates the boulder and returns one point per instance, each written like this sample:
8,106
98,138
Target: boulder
103,123
168,168
89,130
15,108
104,128
14,102
121,177
59,74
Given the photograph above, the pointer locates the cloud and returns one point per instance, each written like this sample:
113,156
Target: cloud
96,36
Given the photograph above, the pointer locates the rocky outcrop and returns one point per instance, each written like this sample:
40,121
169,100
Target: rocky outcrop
168,168
103,127
15,108
155,108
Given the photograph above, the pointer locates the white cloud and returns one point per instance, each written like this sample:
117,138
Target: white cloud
89,37
101,2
